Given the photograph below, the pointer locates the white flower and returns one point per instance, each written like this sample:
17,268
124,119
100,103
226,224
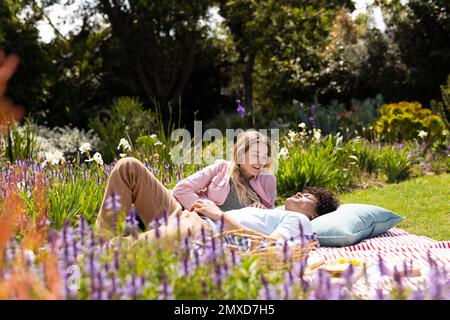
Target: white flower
445,132
53,157
85,147
58,157
302,125
153,136
157,143
292,134
283,153
97,158
422,134
124,144
317,135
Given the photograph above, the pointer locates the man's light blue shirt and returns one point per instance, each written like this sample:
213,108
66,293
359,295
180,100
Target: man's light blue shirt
268,221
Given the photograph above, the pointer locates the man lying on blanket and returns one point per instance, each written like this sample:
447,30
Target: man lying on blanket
299,209
275,223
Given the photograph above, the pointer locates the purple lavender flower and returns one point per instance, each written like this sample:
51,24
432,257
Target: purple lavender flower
93,270
113,290
320,292
267,292
287,291
196,258
434,284
233,258
165,217
130,289
398,282
222,223
379,294
132,224
240,109
100,285
204,289
382,267
154,225
112,202
348,276
219,275
116,260
302,234
185,260
417,295
82,230
165,289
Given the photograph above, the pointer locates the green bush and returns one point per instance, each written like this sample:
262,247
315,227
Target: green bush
20,142
367,155
127,118
396,163
336,117
442,108
327,163
73,192
405,120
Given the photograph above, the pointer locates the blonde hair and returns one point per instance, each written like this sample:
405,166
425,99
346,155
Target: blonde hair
245,193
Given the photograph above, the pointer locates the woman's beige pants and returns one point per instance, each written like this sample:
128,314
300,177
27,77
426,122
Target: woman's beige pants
134,184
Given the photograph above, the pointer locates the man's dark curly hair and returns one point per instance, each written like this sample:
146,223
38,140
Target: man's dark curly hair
326,201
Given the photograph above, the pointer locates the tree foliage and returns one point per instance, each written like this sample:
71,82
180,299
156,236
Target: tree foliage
277,43
421,29
268,54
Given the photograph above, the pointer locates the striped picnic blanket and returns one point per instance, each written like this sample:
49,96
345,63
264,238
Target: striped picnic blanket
397,248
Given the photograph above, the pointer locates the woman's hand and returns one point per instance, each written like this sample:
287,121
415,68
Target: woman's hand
258,205
207,208
190,224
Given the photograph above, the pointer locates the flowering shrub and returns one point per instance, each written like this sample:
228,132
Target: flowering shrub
407,121
308,159
126,118
336,117
66,140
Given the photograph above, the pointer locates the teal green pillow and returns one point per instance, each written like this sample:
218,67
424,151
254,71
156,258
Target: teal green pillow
352,223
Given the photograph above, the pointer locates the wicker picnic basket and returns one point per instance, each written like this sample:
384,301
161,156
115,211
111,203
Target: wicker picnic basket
271,254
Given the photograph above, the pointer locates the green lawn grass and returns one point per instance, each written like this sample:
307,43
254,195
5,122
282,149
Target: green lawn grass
424,201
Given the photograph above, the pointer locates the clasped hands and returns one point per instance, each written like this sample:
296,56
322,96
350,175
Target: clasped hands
209,209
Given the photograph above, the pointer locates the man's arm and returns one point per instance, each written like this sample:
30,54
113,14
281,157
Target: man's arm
290,224
278,235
